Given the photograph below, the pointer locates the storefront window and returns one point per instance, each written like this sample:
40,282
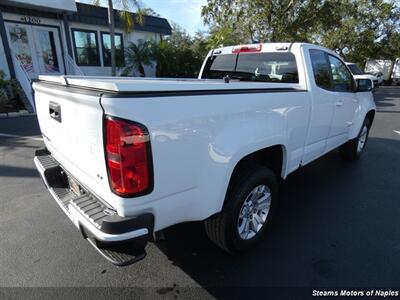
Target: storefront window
86,48
48,51
19,43
119,49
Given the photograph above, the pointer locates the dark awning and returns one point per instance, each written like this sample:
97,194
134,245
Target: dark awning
96,15
91,14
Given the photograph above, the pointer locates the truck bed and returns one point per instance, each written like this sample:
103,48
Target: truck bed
133,84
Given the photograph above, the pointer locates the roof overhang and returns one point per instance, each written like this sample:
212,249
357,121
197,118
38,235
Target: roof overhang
45,5
97,15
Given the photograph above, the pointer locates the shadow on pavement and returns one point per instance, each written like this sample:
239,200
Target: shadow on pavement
337,225
23,126
385,97
11,143
12,171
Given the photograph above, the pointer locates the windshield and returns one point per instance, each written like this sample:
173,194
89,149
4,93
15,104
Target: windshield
355,69
259,67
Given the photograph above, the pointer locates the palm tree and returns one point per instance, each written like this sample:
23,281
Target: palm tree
126,18
160,52
137,56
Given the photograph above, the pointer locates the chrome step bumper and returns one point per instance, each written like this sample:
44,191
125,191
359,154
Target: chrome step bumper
120,239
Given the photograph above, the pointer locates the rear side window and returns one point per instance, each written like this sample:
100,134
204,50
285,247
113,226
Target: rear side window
259,67
219,66
321,69
355,69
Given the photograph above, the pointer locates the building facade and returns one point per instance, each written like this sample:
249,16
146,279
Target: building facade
65,38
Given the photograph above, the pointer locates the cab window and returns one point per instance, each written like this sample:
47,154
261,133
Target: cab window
342,80
259,67
321,69
330,73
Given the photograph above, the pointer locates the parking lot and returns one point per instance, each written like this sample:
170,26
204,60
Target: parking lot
337,226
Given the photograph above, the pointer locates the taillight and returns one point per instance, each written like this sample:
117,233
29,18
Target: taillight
247,48
128,156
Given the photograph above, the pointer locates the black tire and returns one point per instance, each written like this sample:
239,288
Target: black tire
350,150
222,228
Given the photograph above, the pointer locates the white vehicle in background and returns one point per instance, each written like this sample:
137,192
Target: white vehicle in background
383,66
396,72
358,74
125,158
378,75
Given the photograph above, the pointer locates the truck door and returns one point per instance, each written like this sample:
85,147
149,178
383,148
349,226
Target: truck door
343,88
323,99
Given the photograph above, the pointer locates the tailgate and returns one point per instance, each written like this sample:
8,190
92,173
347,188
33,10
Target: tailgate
71,123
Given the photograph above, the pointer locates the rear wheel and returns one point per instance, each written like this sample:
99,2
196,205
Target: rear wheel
247,211
354,148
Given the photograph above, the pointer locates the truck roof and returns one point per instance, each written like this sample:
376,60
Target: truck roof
265,47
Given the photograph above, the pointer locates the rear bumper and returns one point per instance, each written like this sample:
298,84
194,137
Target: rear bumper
98,222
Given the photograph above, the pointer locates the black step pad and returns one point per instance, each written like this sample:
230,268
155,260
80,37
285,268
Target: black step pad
119,254
92,208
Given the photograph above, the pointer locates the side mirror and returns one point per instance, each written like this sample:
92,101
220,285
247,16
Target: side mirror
364,85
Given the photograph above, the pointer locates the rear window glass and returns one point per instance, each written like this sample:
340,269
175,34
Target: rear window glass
262,67
321,69
355,69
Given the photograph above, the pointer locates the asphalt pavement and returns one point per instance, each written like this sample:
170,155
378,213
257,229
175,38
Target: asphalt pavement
337,226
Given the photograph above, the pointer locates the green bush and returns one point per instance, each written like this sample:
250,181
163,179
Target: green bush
4,97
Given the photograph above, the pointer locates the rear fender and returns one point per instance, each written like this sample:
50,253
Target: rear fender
248,138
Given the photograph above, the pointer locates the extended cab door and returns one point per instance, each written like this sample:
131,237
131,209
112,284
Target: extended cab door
323,103
334,103
345,101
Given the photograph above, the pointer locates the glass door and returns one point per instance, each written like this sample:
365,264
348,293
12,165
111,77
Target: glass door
36,48
22,48
48,48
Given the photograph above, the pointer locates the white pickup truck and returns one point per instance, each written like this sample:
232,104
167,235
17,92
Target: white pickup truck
126,158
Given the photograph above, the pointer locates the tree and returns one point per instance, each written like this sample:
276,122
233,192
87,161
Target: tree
361,30
147,11
389,46
126,17
266,21
200,46
223,35
179,55
158,53
137,56
356,29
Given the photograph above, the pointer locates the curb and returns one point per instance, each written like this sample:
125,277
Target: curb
15,114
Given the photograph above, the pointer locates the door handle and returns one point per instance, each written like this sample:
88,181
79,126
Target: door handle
55,111
339,103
